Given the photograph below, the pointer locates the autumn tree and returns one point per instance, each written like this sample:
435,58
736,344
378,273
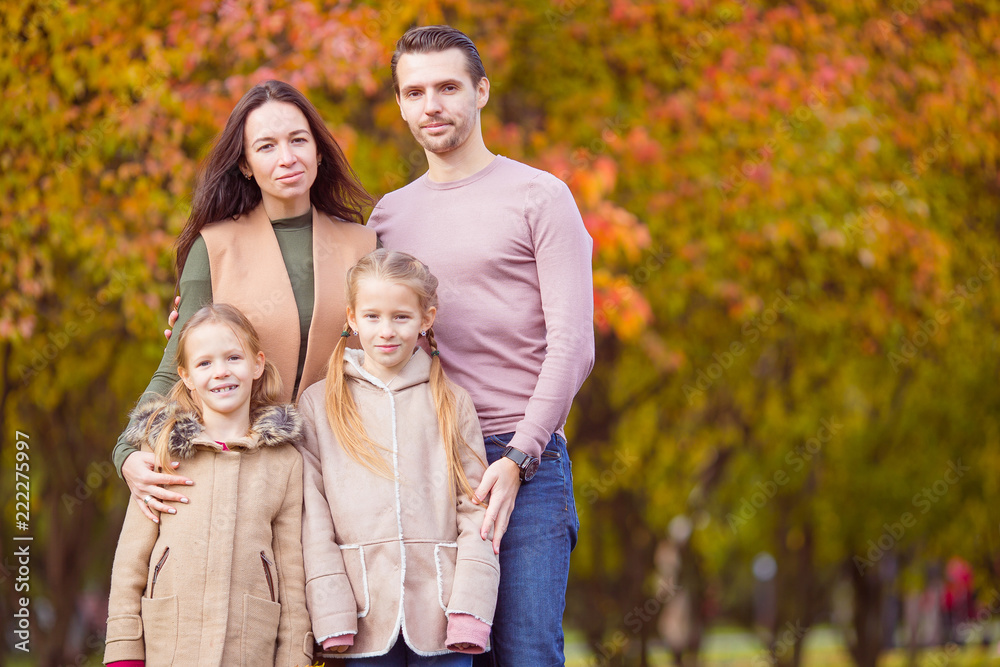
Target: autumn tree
794,209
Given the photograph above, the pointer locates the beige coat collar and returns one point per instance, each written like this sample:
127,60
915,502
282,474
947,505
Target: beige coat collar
416,371
272,426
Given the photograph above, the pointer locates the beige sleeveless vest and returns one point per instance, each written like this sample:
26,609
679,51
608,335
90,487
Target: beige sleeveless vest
249,273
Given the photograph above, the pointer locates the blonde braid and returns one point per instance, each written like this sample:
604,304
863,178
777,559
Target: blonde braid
345,421
447,417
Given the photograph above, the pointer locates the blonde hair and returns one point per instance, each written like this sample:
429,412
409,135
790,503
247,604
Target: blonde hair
399,269
265,391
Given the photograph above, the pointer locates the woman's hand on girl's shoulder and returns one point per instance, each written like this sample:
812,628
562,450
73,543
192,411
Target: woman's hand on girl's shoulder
172,318
147,486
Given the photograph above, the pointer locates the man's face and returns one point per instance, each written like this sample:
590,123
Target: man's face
438,99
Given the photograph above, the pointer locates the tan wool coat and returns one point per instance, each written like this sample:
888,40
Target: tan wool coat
390,556
221,582
249,272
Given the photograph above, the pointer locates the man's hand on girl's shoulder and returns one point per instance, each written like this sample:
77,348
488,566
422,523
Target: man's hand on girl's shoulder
501,482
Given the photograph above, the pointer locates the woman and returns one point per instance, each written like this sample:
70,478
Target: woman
275,224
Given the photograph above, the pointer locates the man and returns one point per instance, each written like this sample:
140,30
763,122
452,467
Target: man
515,322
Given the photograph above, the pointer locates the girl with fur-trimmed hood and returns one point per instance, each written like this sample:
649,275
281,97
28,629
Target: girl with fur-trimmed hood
221,582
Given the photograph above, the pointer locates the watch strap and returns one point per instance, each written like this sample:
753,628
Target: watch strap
527,465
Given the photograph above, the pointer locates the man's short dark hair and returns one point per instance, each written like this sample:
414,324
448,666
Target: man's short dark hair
435,38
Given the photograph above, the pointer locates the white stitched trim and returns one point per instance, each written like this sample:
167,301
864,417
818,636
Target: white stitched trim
364,579
373,654
357,359
437,567
468,613
370,654
400,617
427,654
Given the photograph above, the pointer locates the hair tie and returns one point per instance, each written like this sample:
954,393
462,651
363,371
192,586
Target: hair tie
345,334
435,353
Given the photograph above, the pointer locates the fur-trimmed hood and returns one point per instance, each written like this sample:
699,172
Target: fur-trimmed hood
274,425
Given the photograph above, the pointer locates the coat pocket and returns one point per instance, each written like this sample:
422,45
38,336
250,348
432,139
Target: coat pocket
156,570
259,638
159,628
357,574
267,575
445,557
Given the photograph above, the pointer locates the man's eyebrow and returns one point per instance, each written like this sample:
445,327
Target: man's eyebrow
443,82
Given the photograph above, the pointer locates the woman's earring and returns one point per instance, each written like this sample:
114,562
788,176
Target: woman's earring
354,332
423,333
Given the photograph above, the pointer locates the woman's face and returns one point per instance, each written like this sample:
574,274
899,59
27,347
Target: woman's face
280,153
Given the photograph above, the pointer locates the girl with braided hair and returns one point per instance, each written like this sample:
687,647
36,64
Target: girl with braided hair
396,569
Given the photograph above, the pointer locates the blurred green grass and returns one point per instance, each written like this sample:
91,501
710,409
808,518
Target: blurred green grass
824,647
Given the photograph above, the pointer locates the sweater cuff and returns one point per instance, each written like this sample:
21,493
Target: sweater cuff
127,663
530,439
338,640
467,629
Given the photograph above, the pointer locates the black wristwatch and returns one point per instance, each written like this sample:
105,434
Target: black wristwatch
527,465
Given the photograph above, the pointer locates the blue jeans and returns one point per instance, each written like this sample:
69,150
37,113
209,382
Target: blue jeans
534,563
401,655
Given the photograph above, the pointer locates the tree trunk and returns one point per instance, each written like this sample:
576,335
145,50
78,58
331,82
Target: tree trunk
810,596
867,621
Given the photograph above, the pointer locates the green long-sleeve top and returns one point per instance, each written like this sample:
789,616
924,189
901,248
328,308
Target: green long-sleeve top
295,241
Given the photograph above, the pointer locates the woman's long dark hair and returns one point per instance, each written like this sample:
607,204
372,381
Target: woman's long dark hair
224,192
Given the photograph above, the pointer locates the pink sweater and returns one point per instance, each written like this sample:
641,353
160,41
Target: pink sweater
515,318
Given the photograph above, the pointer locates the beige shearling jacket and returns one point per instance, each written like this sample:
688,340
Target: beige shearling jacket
221,582
385,557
